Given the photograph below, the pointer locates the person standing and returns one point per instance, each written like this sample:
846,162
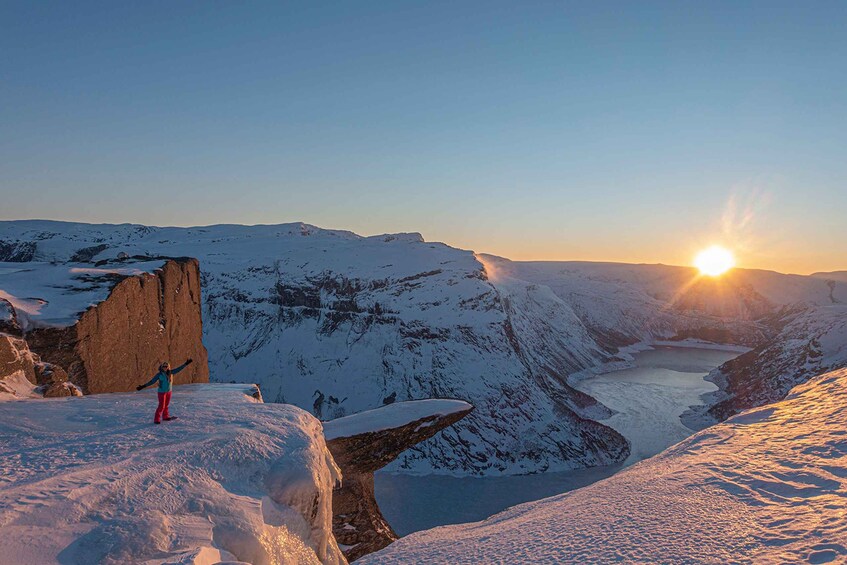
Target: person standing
165,378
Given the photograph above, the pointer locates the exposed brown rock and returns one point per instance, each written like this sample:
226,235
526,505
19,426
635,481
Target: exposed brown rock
357,521
9,319
120,342
15,357
58,390
48,374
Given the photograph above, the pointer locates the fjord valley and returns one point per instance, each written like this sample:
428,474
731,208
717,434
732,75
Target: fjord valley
436,283
552,357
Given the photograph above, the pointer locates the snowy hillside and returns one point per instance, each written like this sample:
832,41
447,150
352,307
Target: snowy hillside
91,480
811,341
629,303
338,323
767,486
797,325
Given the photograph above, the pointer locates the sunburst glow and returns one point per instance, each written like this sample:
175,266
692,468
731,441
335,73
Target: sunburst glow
714,261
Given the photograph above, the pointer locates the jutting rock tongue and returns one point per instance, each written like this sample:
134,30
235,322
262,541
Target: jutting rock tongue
146,319
365,442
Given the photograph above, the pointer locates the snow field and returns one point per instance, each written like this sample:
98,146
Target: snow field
767,486
92,480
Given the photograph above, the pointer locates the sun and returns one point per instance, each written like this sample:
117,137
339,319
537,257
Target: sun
714,261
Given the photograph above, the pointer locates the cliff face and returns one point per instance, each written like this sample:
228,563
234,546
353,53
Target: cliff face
364,443
118,343
812,339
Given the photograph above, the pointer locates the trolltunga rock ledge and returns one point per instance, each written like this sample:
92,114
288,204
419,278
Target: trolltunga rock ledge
365,442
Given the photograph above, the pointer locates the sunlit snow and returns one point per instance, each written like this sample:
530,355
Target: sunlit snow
767,486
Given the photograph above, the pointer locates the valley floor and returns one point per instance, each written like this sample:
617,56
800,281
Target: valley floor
767,486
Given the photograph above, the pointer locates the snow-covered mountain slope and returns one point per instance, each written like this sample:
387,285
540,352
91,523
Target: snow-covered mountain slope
621,303
91,480
832,275
767,486
797,325
811,341
338,323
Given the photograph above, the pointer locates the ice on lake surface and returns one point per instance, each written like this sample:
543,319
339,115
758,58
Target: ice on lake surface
648,399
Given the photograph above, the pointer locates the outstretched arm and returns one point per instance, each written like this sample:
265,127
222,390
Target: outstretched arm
148,383
181,367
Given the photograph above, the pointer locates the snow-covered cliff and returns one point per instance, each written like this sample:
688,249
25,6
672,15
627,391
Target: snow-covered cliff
91,480
767,486
338,323
365,442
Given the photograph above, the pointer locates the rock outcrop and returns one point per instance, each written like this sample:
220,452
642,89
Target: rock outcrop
811,339
118,343
16,359
24,375
363,443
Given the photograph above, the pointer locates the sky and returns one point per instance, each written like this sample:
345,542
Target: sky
613,131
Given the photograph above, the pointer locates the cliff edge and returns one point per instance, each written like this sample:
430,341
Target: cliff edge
109,327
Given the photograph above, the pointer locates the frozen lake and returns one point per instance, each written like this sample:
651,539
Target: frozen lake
648,399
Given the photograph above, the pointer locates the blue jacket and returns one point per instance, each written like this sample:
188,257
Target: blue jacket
165,382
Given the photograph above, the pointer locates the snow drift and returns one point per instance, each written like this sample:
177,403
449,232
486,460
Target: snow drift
767,486
91,480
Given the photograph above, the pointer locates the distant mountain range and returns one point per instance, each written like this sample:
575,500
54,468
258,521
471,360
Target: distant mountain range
338,323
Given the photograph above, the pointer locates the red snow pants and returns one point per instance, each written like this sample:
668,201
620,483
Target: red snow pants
162,410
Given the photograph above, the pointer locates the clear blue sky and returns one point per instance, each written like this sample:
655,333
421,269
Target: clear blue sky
534,130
